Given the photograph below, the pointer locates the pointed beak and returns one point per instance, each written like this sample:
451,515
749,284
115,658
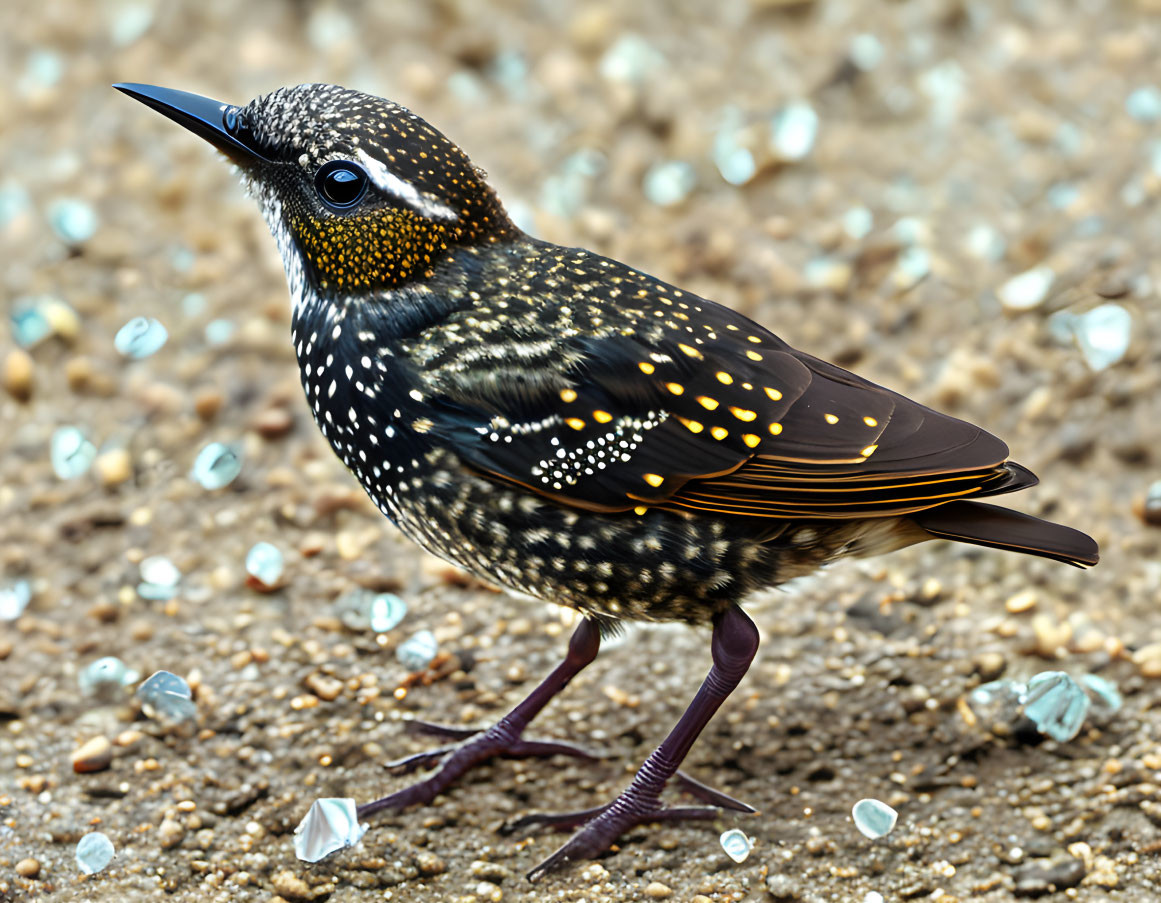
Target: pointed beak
201,115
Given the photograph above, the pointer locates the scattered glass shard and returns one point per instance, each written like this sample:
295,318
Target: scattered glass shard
94,853
329,826
1056,704
159,578
71,452
736,844
1106,698
793,131
73,220
140,337
362,609
998,702
264,563
217,465
14,598
416,652
1144,104
669,182
873,818
105,673
1103,335
167,697
1027,290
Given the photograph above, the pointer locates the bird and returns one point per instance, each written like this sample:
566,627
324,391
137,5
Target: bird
574,429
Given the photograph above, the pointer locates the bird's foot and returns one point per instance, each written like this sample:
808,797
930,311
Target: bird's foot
602,825
470,748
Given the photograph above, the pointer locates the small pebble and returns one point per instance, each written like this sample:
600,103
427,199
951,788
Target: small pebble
873,818
219,332
630,60
94,755
657,890
1144,104
14,598
416,652
669,182
858,222
324,687
140,338
782,887
217,465
71,452
264,563
429,863
986,243
736,844
866,52
113,467
1148,508
28,868
18,371
290,886
159,578
1027,290
94,853
1023,601
1103,335
170,833
1056,704
362,609
793,131
1106,698
74,221
273,423
873,896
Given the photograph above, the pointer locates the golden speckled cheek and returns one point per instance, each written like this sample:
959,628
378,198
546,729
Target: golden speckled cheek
380,249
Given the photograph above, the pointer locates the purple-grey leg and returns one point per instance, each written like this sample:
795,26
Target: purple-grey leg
502,739
735,641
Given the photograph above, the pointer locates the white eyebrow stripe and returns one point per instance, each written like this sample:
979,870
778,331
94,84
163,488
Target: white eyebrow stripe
387,181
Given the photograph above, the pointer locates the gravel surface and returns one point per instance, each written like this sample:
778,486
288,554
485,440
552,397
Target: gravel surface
983,174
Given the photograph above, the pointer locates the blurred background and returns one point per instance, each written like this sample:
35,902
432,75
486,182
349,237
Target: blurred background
958,199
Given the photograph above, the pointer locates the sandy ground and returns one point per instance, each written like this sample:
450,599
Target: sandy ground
984,139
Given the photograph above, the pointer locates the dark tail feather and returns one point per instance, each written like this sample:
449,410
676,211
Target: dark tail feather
1002,528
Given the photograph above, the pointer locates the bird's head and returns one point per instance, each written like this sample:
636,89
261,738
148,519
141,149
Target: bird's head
360,193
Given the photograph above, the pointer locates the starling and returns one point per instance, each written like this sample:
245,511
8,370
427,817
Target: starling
574,429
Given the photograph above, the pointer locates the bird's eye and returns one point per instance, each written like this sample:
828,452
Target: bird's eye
340,183
230,119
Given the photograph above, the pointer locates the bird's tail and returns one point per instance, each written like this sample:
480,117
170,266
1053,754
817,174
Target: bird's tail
1002,528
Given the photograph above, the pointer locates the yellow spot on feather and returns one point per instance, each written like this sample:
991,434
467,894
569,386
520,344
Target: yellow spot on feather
750,439
868,451
602,416
724,378
743,414
719,432
773,394
831,419
706,402
870,421
567,395
691,351
692,425
576,423
654,479
675,388
640,509
775,429
646,367
753,355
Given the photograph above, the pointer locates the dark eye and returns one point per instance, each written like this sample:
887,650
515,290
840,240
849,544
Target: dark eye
340,183
230,118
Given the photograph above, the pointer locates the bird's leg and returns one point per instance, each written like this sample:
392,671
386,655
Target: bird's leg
735,641
504,738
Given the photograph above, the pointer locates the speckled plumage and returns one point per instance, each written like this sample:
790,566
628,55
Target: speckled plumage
560,423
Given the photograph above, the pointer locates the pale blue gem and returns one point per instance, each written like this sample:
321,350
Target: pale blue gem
94,853
264,563
416,653
44,70
1106,698
362,609
669,182
911,267
193,304
736,844
734,161
219,332
217,465
873,818
858,222
14,598
1103,335
104,673
159,578
793,131
29,321
1056,704
140,337
1063,195
167,697
75,221
1144,104
329,826
997,702
71,452
182,259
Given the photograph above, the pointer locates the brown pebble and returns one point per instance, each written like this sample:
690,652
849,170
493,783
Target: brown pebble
273,423
429,864
5,649
18,374
1024,600
170,833
657,890
113,467
1148,507
289,885
94,755
324,687
207,403
1148,660
79,373
28,868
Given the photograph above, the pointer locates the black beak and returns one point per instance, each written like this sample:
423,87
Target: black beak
201,115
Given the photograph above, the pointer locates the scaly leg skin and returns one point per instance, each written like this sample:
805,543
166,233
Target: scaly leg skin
735,641
504,738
